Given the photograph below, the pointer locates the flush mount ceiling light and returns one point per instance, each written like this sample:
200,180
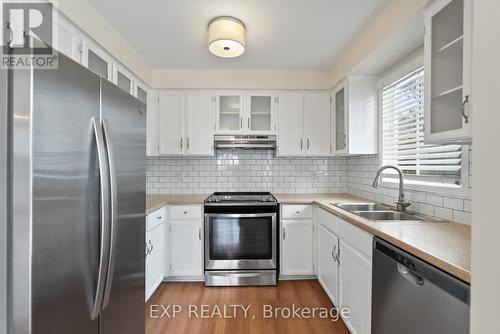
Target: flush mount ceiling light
226,37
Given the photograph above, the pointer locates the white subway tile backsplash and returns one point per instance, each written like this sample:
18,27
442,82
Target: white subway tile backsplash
244,170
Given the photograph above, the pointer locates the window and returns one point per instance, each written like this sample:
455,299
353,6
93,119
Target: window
403,145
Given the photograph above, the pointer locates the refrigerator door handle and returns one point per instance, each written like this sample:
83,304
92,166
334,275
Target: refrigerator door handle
104,217
113,226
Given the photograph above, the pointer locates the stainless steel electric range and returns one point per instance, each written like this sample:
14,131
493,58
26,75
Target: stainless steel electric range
241,239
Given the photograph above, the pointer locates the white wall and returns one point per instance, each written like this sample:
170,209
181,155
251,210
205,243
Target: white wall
240,79
394,16
485,308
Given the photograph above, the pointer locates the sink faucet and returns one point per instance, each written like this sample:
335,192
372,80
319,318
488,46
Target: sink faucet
401,203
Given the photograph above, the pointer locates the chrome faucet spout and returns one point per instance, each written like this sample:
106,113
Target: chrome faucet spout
401,203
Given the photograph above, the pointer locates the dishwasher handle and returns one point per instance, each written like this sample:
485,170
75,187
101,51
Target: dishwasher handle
407,274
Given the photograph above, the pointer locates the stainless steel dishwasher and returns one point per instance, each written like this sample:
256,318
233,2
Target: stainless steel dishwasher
412,297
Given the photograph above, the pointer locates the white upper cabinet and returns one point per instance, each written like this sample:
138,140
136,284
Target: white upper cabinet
447,65
229,112
69,40
97,60
245,112
123,78
184,125
260,112
153,124
317,123
290,124
172,123
199,123
303,124
355,117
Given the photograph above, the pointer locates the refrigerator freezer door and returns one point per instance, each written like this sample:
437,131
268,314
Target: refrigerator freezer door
65,199
126,133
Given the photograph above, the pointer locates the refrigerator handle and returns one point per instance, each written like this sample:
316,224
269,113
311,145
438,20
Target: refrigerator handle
104,216
114,213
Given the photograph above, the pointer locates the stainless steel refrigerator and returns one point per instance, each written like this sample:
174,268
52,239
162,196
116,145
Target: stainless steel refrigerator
76,151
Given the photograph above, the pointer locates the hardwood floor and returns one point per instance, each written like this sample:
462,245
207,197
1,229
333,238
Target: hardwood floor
192,319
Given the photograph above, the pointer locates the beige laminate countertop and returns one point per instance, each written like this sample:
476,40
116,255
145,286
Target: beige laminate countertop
154,202
445,245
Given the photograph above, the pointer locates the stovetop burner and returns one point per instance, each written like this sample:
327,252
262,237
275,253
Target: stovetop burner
241,197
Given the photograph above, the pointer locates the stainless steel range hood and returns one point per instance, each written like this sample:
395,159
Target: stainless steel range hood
249,142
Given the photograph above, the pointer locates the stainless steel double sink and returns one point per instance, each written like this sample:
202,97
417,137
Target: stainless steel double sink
380,213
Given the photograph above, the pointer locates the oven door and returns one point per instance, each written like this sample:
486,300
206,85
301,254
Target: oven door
240,241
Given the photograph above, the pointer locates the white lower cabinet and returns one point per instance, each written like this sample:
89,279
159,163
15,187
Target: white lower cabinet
355,276
185,235
355,288
328,271
297,249
155,252
344,268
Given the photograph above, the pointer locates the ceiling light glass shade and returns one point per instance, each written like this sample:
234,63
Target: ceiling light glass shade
226,37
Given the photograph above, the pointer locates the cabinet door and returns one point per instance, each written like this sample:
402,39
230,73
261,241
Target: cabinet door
340,119
97,60
229,112
69,40
355,288
123,78
290,124
153,124
297,249
148,273
260,115
447,72
157,259
186,252
327,264
172,122
317,123
199,123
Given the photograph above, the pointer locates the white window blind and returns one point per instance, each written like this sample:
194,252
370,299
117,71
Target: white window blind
403,133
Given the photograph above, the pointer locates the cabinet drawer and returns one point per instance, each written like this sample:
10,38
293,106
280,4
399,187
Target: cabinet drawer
155,218
327,219
185,211
356,237
296,211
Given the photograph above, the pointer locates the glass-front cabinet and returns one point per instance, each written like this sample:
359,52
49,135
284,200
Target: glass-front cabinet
339,134
229,112
447,72
260,108
248,113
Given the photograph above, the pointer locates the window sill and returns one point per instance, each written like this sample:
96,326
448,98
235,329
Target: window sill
427,186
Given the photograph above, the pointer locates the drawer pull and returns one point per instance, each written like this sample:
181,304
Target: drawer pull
159,217
185,212
297,212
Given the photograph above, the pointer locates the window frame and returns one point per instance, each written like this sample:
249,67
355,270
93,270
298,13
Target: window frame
417,182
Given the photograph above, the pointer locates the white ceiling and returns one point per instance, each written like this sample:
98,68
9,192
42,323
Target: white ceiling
281,34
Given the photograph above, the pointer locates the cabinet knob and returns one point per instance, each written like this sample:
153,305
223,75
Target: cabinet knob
185,212
297,212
